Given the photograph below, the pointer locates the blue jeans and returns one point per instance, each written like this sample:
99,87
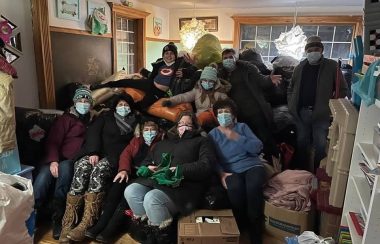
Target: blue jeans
45,180
310,134
153,203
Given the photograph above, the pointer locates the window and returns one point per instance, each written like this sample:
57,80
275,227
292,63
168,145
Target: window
336,39
126,44
336,33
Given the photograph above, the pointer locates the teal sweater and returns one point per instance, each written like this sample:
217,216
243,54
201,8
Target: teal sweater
240,155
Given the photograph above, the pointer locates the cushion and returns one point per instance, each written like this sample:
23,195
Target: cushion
169,113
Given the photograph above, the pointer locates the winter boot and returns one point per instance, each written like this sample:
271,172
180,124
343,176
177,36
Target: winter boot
165,235
117,224
70,218
91,212
137,226
58,212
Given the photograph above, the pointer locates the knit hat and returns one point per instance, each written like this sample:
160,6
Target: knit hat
123,96
170,47
313,41
209,73
83,92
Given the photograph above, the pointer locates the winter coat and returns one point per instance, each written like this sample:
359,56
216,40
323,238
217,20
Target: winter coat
195,95
187,69
104,139
247,90
7,113
325,88
197,157
129,153
65,138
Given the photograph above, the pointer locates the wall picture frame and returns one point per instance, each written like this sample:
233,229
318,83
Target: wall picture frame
68,9
157,26
211,23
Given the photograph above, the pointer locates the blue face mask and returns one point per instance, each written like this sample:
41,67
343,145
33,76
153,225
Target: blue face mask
82,108
225,119
149,136
207,85
313,57
229,64
123,110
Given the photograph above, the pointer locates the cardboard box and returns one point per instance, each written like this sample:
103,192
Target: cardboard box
223,231
329,225
10,161
281,222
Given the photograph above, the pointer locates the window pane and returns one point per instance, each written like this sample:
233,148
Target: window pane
131,48
248,32
327,50
343,34
118,23
125,47
131,25
119,48
263,32
246,44
131,37
326,33
276,31
124,24
262,47
289,27
273,50
310,30
341,50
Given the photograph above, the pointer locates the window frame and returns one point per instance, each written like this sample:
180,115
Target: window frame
355,21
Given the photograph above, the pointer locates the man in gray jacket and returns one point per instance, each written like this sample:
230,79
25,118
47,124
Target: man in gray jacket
313,83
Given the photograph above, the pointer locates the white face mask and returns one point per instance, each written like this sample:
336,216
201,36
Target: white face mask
168,64
313,57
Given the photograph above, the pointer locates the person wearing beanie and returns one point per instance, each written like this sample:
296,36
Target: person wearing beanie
207,91
248,92
160,82
96,164
63,143
313,84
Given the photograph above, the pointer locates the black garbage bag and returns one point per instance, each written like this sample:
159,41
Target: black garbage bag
216,196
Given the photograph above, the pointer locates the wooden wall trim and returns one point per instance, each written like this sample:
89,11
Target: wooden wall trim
153,39
77,32
356,21
43,53
129,12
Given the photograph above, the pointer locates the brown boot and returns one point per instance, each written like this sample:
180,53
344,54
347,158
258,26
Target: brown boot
73,204
92,203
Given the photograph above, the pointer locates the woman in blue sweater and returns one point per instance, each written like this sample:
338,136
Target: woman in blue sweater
240,168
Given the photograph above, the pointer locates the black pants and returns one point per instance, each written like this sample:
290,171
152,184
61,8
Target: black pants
245,191
152,93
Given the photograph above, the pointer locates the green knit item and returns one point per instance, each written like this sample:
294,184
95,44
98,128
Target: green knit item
163,176
209,73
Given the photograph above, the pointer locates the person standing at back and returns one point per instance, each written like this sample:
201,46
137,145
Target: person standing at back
313,84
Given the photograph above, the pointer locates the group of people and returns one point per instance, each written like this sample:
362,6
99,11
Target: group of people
105,165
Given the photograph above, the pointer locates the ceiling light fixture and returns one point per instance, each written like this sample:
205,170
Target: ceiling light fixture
191,32
292,42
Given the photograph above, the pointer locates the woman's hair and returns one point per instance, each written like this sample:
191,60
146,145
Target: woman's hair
122,97
225,103
191,115
149,123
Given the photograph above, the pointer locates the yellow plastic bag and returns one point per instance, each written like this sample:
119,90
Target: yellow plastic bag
207,50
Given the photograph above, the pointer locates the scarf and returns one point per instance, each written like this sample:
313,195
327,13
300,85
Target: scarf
7,68
124,123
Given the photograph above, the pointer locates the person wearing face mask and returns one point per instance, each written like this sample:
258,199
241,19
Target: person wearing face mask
63,143
312,85
154,205
95,164
160,82
113,219
247,91
241,171
208,90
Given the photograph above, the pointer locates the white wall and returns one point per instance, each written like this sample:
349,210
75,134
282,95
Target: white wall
226,23
26,88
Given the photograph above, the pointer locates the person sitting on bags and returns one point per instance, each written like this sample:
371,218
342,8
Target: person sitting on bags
172,181
207,91
98,160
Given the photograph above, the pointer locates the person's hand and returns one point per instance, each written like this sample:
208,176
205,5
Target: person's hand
122,175
179,73
187,57
229,133
223,176
94,159
276,79
167,103
152,168
54,169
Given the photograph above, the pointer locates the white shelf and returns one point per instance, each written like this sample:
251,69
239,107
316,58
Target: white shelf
355,238
363,190
369,153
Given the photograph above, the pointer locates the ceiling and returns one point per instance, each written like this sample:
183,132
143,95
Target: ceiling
206,4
